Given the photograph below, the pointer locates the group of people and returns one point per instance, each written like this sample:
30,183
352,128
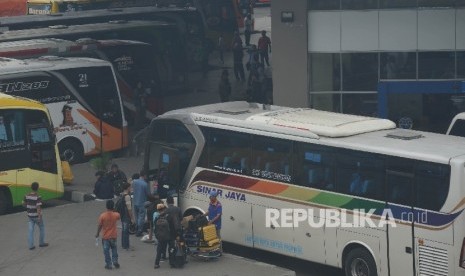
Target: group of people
135,205
258,57
138,205
164,221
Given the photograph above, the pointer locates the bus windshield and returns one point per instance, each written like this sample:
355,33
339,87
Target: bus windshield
28,152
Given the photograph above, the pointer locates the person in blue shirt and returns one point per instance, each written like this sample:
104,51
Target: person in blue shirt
214,212
141,192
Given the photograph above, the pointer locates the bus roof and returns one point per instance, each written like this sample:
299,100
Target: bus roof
60,30
13,101
51,46
310,123
328,128
9,65
21,22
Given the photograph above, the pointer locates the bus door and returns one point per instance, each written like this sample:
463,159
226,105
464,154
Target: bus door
43,157
400,239
163,167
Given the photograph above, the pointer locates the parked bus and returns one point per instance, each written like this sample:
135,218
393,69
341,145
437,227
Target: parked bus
168,50
196,26
28,152
189,37
222,17
82,96
61,6
261,158
133,61
12,7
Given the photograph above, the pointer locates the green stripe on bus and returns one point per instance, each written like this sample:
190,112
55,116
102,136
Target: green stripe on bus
23,190
331,199
357,203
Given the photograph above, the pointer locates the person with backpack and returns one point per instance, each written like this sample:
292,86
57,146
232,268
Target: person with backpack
124,207
162,233
176,215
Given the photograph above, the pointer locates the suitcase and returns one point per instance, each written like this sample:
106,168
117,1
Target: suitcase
209,233
179,256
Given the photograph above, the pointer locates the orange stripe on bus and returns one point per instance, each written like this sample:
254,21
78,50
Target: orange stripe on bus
268,187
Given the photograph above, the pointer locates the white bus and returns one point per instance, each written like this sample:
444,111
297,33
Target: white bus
132,60
82,96
269,157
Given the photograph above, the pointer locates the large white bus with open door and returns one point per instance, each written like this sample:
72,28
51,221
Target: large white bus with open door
271,159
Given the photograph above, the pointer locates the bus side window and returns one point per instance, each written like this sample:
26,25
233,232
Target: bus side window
272,158
432,185
227,150
318,169
399,189
360,174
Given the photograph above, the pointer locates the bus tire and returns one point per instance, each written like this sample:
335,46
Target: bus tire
192,212
359,262
71,151
5,201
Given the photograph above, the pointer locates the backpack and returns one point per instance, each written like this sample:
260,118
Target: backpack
162,228
120,205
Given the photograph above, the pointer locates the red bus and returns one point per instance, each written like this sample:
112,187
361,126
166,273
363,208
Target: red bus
12,7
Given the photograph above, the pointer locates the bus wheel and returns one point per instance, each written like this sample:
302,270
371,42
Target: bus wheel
71,151
192,212
4,201
359,262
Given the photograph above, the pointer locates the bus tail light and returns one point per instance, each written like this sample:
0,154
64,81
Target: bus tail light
462,255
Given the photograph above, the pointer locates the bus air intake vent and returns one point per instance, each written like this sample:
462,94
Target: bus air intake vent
404,135
233,112
433,261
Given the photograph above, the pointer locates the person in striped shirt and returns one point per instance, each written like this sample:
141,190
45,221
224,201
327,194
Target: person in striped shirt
33,204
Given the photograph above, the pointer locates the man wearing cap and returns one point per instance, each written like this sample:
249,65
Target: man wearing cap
214,212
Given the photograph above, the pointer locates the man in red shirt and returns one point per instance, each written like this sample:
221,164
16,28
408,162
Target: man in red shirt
264,45
107,225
